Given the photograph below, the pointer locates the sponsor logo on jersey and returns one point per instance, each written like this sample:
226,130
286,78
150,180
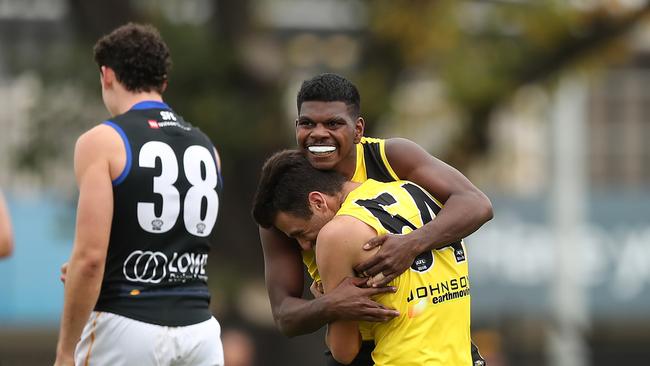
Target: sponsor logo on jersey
162,124
441,291
154,267
423,262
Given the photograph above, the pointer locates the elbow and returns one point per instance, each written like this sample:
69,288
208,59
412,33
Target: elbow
89,265
483,207
284,325
488,212
344,348
6,247
344,355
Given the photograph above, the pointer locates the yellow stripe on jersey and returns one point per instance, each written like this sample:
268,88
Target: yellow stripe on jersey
432,296
363,166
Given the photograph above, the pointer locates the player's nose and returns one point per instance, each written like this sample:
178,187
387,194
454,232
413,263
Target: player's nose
319,131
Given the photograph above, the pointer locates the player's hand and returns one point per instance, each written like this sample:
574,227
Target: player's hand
64,272
350,301
396,254
316,289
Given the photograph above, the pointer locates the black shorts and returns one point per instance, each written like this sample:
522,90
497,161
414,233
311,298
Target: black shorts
364,358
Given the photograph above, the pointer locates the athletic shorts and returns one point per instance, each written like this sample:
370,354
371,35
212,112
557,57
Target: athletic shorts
111,339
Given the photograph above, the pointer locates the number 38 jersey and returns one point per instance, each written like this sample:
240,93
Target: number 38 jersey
165,206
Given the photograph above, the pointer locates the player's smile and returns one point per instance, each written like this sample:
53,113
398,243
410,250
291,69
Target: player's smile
321,149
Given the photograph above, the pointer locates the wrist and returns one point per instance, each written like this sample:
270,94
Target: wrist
64,351
324,308
418,242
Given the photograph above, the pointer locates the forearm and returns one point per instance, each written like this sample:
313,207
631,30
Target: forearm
83,283
6,235
461,215
297,316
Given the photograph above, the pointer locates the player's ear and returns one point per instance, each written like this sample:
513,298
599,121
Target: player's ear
317,201
107,76
164,85
359,126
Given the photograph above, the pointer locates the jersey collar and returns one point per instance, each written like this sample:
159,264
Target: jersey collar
149,104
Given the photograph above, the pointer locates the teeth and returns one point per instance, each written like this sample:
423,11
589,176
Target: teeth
321,149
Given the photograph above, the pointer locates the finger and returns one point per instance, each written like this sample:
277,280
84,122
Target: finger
376,278
357,281
375,242
379,268
380,315
381,282
372,291
371,262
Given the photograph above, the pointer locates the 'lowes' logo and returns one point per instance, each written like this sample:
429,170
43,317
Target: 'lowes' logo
153,267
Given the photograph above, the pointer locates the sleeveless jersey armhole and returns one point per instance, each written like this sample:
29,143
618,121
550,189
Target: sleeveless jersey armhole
127,167
382,150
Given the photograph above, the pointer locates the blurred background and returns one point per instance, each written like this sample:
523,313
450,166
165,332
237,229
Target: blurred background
543,104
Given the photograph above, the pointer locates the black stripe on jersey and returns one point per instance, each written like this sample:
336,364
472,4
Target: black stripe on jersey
375,167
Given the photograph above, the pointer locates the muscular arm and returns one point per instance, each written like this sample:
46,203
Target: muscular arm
284,282
94,215
6,236
338,250
465,209
294,315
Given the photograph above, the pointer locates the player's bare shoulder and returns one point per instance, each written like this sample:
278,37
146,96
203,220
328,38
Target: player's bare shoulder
345,233
101,143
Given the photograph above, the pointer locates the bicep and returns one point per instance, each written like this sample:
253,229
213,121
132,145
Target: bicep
95,206
335,261
411,162
283,267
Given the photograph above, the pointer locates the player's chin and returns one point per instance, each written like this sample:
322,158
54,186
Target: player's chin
321,162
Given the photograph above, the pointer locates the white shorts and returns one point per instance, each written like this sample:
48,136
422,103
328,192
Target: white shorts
110,339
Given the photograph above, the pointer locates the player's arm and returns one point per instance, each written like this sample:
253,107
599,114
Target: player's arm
338,250
94,214
283,270
465,209
6,236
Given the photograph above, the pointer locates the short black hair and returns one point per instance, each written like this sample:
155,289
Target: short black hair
137,54
286,180
330,87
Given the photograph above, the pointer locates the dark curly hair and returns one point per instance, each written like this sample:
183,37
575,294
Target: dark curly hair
286,180
330,88
138,55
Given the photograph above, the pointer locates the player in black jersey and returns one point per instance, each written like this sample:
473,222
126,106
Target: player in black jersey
135,288
6,236
329,130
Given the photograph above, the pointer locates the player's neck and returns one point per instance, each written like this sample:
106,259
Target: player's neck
348,166
126,100
345,191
